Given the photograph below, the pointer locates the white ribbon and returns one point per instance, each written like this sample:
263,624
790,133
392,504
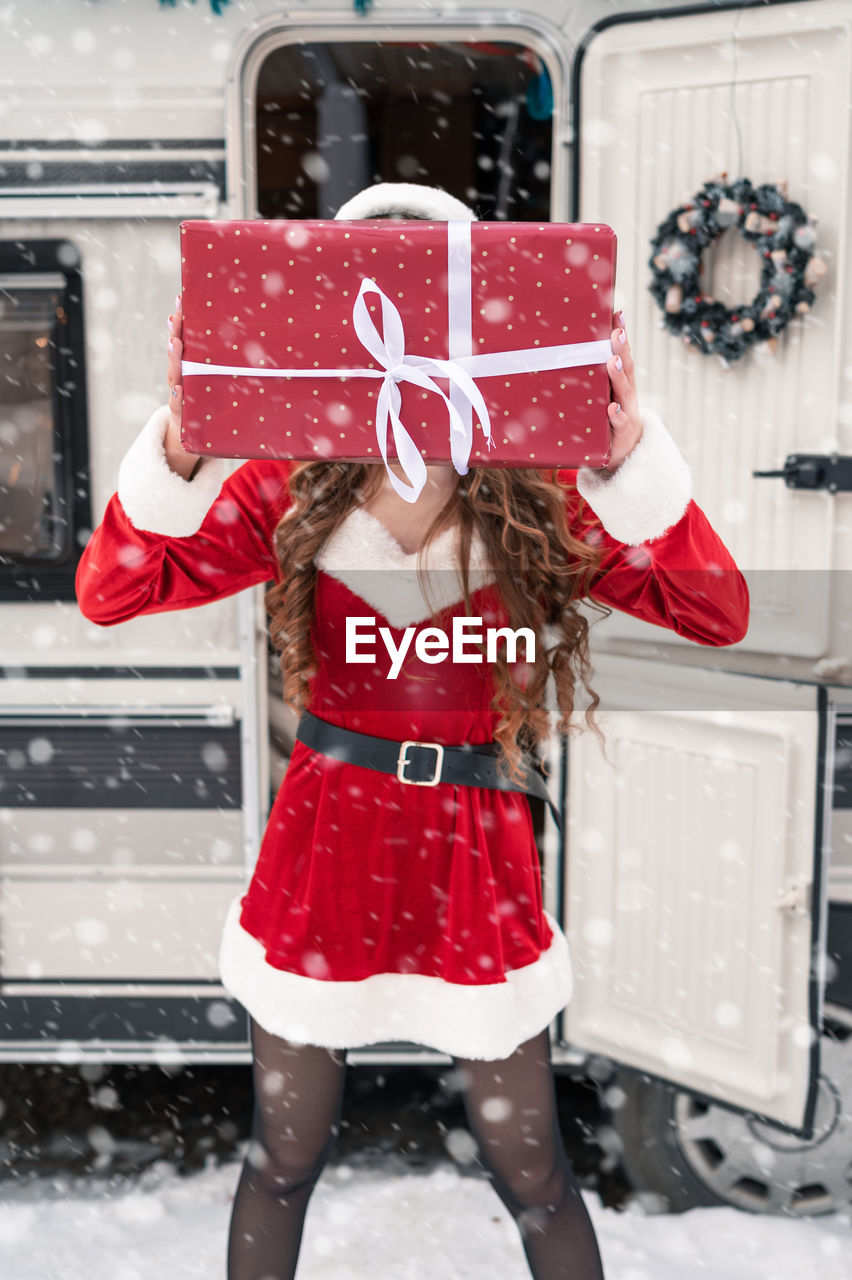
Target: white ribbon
390,353
459,329
388,349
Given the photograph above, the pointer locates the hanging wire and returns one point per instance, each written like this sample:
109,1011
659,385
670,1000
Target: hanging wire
733,94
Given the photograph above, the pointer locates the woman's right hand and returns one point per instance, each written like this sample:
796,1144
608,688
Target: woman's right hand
178,458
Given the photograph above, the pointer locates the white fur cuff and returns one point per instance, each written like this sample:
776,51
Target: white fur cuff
155,498
648,493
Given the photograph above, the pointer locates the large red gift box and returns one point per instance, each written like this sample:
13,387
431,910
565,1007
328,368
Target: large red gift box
476,343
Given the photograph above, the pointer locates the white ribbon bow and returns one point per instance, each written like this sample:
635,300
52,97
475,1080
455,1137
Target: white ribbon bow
389,351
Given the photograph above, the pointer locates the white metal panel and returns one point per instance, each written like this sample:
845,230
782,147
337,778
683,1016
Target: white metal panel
86,891
681,855
114,927
86,99
659,116
100,200
75,841
215,703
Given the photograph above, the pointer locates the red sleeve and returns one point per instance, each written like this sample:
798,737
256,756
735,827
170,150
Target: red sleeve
686,579
125,572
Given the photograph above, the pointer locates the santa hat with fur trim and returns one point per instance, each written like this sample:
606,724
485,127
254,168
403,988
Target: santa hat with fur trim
409,200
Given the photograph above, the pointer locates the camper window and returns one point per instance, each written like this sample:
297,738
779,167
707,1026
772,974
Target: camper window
43,476
474,118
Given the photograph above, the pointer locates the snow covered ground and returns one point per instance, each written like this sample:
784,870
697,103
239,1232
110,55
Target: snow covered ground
381,1223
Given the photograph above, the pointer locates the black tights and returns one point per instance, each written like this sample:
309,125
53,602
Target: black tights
511,1110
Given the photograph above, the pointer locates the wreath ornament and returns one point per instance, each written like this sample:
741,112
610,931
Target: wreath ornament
785,238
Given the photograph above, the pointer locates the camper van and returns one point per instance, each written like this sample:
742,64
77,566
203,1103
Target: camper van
703,873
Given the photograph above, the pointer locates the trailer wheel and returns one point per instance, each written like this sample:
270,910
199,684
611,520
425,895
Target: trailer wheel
681,1153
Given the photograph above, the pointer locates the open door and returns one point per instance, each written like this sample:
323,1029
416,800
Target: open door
661,105
693,885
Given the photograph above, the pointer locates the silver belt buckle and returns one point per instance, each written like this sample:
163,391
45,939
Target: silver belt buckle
402,761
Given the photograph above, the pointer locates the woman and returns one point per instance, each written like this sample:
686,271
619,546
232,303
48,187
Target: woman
380,910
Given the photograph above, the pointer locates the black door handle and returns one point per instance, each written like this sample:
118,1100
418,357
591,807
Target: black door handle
814,471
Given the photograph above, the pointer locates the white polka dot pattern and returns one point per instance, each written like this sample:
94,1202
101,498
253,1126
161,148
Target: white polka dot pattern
278,295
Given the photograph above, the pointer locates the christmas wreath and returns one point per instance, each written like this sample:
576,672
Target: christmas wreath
784,236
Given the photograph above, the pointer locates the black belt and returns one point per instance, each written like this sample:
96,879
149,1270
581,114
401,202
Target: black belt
421,764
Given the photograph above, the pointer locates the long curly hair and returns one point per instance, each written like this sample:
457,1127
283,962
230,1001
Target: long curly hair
544,573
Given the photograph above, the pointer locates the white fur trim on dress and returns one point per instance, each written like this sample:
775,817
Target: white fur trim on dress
408,199
365,557
155,498
483,1021
649,491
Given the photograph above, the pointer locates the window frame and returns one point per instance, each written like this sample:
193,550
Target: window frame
250,53
45,579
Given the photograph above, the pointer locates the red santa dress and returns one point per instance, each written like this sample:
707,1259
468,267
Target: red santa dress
379,911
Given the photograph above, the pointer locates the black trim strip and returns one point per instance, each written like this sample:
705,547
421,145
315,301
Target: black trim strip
70,172
820,783
561,867
841,788
120,673
838,948
149,1018
114,144
120,764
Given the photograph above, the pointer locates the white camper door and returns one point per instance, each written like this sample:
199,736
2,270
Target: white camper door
693,883
660,106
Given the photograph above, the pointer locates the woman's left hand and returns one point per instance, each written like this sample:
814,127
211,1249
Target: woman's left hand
624,421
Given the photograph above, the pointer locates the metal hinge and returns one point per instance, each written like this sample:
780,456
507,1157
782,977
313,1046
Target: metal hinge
795,896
